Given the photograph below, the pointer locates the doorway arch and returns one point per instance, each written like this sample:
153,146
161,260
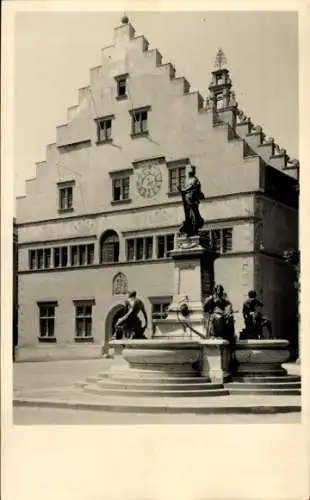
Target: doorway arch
113,315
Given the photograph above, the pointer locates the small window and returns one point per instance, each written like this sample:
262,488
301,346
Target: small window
227,240
104,129
160,307
47,321
139,121
216,239
149,247
90,254
119,284
47,258
82,255
130,249
65,192
120,189
219,99
74,256
139,253
32,259
64,256
83,320
56,257
121,86
177,178
165,244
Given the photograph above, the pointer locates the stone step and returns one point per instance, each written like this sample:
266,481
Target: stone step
151,385
90,389
127,379
264,385
272,392
268,379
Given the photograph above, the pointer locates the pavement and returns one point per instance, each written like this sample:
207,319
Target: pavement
44,393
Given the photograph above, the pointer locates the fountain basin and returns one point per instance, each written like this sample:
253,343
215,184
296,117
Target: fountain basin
167,357
261,357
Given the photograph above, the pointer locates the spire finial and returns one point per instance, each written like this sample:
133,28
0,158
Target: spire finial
125,19
220,59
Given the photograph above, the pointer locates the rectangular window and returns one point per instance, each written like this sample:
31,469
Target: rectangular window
83,320
74,256
65,194
130,249
64,256
32,259
165,243
177,177
104,129
120,189
149,248
227,240
139,121
216,239
47,321
90,254
121,83
47,258
56,257
160,307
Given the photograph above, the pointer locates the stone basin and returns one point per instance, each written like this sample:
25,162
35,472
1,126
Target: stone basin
167,357
261,357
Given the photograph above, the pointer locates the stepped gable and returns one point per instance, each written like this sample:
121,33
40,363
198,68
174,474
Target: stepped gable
222,103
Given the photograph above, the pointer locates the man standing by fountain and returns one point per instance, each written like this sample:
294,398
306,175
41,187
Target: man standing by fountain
130,323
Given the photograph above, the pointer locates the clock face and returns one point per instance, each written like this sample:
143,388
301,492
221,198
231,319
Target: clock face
149,181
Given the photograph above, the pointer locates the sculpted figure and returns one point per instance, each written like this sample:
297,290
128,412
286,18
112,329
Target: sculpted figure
219,315
191,197
254,320
130,325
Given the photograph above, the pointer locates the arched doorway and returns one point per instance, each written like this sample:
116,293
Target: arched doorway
113,315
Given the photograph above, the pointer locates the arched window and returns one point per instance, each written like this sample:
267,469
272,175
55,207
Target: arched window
119,284
109,247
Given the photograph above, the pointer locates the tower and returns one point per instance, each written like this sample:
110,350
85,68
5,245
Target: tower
221,99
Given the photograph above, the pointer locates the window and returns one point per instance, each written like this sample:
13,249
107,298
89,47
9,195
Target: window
32,259
47,321
121,83
219,99
220,240
139,248
227,240
47,258
159,309
165,244
219,79
104,129
81,255
65,192
177,177
120,189
119,284
109,247
83,320
139,121
61,257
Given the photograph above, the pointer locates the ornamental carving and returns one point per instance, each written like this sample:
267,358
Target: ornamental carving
120,284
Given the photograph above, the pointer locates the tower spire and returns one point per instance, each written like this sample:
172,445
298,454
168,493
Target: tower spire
220,59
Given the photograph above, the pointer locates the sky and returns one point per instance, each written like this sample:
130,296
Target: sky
55,50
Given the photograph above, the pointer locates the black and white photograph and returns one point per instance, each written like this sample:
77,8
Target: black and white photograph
154,240
156,253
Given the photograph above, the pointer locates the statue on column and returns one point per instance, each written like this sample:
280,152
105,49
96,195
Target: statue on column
191,197
130,326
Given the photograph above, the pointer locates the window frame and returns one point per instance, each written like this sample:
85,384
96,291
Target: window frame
52,305
62,186
133,113
103,120
165,246
118,79
177,166
165,300
83,303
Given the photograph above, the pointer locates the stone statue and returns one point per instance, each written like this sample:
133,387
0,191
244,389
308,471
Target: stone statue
219,315
129,326
191,197
254,320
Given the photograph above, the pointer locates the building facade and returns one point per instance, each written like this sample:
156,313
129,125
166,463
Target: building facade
103,211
